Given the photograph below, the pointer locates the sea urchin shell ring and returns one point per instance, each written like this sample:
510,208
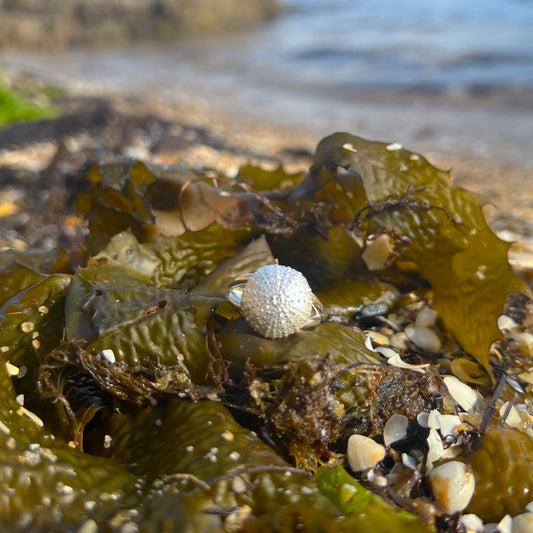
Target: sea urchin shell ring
276,301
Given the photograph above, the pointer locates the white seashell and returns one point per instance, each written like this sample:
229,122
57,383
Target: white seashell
453,485
409,461
423,418
529,507
523,523
472,522
380,481
448,424
433,421
426,317
376,338
505,525
513,418
398,362
368,342
399,340
451,452
109,355
377,252
506,324
527,377
522,341
424,337
395,429
385,351
464,395
363,452
435,448
516,386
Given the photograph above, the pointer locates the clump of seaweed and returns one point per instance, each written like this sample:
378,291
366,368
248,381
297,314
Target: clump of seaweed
131,369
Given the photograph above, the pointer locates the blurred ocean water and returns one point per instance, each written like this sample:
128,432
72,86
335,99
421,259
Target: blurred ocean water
433,45
426,72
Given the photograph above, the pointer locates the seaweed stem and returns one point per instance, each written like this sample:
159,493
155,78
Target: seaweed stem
214,347
490,407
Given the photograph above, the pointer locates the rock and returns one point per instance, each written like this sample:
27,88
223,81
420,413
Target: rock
56,24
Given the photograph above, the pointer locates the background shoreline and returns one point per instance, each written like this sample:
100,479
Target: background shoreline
42,173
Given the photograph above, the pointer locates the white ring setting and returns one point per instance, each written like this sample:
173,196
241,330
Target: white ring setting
276,301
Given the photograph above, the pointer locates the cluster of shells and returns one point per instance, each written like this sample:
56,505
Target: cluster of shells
441,465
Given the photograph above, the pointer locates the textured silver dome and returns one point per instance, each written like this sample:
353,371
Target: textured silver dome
277,301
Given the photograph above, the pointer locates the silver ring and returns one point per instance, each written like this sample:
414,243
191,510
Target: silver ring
276,301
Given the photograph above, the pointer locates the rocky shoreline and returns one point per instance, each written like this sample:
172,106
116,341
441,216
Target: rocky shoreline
57,25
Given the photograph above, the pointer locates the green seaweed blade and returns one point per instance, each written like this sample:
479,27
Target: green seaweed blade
46,484
368,512
444,228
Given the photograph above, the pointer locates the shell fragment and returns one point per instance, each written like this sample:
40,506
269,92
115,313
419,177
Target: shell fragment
363,452
453,485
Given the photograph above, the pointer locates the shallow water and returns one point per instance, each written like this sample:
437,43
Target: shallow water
442,75
435,45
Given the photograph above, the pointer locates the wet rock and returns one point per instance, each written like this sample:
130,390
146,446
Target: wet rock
55,24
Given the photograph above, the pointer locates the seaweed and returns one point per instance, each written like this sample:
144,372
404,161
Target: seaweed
16,107
367,509
168,412
47,485
437,226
